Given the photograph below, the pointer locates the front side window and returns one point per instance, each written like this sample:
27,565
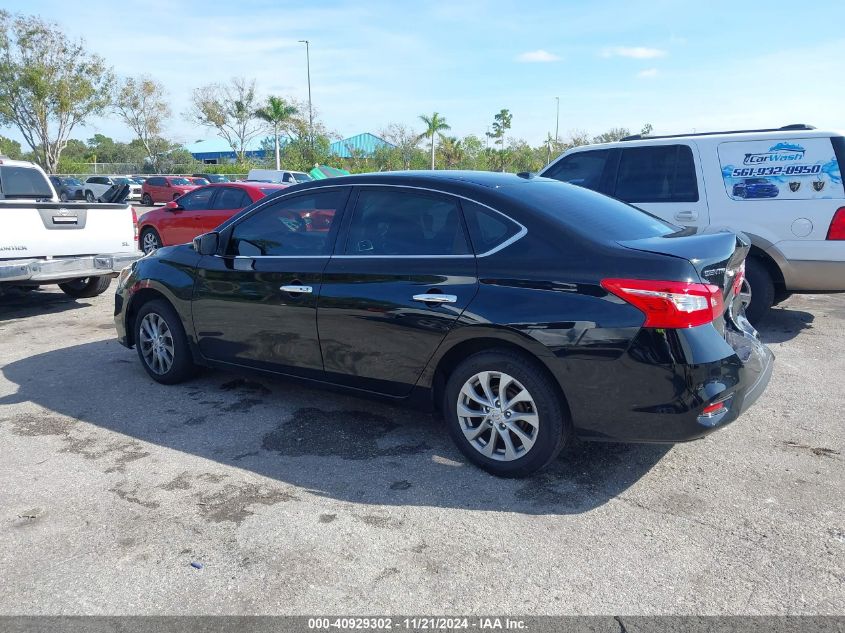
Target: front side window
584,169
300,226
657,173
196,200
405,222
229,198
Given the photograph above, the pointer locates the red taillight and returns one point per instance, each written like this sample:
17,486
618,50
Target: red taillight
740,275
837,225
669,304
135,223
713,409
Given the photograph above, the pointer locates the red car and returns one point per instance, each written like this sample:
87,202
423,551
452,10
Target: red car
164,189
198,212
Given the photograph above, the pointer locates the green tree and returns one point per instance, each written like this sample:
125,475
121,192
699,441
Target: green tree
452,150
228,109
49,84
502,122
612,135
648,128
405,144
10,148
435,126
278,113
141,103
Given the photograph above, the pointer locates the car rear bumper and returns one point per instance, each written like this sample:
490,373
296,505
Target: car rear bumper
62,268
659,389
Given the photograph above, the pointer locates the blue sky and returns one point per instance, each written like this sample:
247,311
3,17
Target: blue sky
678,65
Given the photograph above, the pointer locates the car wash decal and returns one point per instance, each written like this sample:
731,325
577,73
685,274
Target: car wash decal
799,169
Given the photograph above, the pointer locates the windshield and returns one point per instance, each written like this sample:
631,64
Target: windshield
180,181
124,181
23,182
216,178
199,181
302,177
756,181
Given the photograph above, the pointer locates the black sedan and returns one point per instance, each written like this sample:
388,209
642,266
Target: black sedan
527,311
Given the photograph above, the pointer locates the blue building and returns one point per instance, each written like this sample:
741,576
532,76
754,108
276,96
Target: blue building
366,143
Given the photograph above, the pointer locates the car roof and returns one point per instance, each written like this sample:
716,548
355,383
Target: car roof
488,179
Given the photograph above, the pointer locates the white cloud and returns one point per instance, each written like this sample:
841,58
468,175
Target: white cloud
537,56
648,73
634,52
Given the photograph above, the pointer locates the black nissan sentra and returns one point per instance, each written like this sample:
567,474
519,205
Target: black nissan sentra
527,311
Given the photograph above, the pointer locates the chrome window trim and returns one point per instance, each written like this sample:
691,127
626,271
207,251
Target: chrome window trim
511,240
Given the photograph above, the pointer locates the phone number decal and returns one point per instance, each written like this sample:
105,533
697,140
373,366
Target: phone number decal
788,170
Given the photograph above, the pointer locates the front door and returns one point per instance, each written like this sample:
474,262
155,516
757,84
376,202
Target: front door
402,274
185,222
255,304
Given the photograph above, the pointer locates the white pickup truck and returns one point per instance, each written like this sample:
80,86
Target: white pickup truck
77,245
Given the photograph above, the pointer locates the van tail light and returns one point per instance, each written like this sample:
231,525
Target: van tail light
135,222
669,304
837,225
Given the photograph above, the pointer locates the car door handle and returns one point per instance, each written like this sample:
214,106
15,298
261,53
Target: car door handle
436,298
298,290
686,215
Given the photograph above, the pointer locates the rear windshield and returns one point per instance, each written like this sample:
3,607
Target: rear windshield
23,182
590,213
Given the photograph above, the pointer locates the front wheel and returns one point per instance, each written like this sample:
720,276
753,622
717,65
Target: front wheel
146,200
63,196
86,287
89,197
162,344
505,414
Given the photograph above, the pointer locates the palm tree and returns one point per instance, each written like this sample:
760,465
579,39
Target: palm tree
435,125
452,149
277,112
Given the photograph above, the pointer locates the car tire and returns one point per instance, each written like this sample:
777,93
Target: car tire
781,295
149,240
762,289
167,359
539,417
63,196
89,197
86,287
146,200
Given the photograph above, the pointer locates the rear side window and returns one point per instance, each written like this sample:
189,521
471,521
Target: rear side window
231,198
792,169
657,173
23,182
487,228
404,222
584,169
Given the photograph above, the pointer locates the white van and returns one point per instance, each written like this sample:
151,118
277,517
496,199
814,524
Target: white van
278,176
780,187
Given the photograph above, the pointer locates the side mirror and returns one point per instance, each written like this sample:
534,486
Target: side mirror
172,205
207,243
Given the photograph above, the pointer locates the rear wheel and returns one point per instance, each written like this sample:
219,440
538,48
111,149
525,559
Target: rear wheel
146,200
762,289
86,287
162,344
150,240
505,414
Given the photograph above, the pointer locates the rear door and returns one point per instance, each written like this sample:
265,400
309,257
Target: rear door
665,180
228,202
255,304
402,274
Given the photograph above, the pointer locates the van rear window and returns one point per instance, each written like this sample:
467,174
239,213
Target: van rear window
786,169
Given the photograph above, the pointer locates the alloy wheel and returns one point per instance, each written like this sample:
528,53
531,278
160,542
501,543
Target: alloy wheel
156,343
745,294
498,416
150,242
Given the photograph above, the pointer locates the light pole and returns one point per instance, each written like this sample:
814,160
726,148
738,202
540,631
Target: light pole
557,117
310,112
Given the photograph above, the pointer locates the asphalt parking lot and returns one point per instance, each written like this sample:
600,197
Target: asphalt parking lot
293,500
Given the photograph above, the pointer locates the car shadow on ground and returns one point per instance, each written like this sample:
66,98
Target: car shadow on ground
335,445
780,324
21,304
